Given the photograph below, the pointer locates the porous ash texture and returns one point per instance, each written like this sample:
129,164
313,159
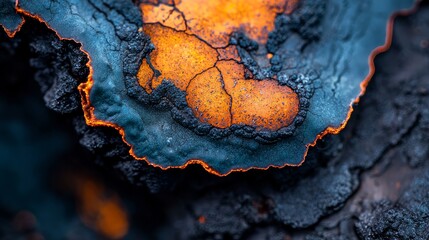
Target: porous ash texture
319,51
60,69
405,219
369,182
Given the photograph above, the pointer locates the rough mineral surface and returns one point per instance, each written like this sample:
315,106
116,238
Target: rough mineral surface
369,182
277,88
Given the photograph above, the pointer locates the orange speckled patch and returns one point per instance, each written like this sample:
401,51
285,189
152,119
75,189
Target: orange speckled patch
208,100
164,14
145,76
214,21
271,106
258,103
191,38
177,55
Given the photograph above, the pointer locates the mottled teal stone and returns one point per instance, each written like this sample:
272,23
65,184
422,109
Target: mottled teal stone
351,31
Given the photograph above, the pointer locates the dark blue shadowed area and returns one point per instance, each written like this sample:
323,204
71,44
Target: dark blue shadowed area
39,155
31,142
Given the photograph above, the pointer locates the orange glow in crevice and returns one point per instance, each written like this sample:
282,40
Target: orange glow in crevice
103,213
99,208
191,38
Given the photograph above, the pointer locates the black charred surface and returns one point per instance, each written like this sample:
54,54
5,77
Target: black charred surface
369,182
405,219
60,67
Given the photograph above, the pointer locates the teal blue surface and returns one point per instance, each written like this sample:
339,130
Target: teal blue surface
351,31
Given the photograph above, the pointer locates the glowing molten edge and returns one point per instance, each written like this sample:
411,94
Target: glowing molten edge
91,120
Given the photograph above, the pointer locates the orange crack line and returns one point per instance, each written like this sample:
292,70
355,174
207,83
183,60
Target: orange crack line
171,12
227,93
91,120
189,34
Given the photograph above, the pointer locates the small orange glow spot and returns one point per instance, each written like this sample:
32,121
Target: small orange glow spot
202,219
101,211
398,185
208,100
145,76
191,37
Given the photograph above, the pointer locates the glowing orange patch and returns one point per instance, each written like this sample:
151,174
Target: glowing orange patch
214,21
258,103
191,37
202,219
100,211
145,76
178,56
164,14
208,100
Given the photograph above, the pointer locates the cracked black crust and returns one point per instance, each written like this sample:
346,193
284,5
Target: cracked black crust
168,97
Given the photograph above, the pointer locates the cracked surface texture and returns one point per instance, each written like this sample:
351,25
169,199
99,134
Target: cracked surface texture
319,53
216,91
188,52
368,182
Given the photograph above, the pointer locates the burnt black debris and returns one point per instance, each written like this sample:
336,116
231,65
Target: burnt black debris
60,68
405,219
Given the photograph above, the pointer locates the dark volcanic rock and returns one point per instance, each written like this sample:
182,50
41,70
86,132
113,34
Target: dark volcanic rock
406,219
61,67
327,198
